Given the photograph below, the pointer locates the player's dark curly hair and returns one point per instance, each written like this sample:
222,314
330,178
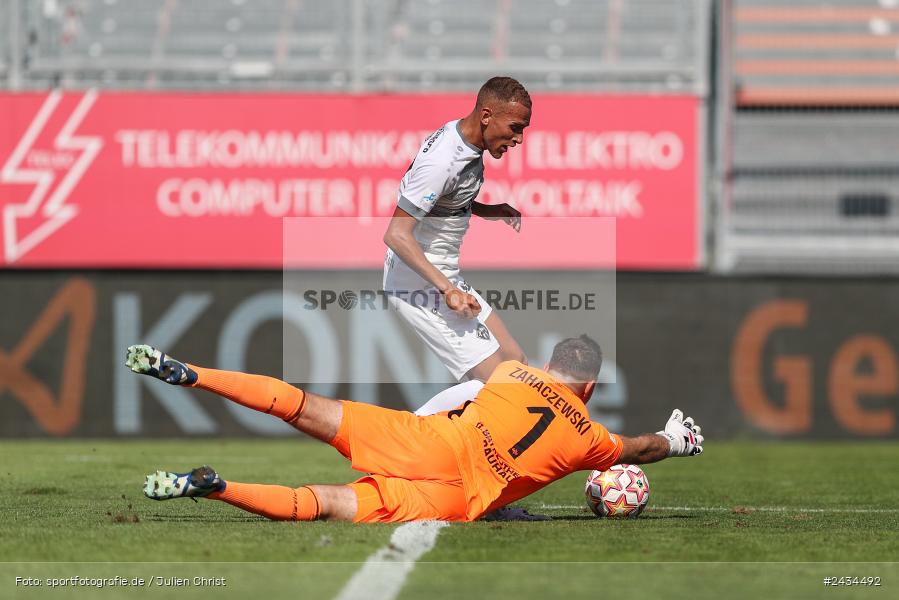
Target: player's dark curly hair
505,89
580,357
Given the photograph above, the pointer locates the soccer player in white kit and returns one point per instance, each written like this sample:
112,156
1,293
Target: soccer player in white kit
435,202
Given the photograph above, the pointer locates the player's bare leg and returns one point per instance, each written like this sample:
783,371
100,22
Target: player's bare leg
508,346
321,418
508,349
338,502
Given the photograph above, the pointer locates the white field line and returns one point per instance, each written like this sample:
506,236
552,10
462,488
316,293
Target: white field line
738,509
384,573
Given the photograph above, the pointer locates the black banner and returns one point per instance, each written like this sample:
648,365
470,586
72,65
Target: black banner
788,358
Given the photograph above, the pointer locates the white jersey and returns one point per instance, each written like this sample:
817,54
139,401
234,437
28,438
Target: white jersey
437,189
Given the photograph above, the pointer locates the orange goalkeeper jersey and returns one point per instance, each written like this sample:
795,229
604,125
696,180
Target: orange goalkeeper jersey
523,431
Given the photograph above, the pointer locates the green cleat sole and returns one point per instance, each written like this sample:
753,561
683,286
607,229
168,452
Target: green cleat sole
161,486
141,358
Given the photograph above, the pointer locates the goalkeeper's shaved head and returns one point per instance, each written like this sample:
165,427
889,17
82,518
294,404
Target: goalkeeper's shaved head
580,358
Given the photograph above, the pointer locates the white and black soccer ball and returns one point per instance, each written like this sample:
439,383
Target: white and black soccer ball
621,491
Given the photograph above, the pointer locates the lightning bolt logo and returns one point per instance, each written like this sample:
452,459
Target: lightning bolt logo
49,206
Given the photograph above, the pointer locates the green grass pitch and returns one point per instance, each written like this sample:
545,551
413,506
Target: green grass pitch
743,520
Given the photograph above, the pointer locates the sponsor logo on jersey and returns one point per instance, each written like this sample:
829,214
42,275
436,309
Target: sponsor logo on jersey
483,332
430,198
503,469
430,141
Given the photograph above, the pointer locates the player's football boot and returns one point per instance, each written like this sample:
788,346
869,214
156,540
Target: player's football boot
147,360
514,513
200,482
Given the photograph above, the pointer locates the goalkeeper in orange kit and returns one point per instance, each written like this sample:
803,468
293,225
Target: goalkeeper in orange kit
525,429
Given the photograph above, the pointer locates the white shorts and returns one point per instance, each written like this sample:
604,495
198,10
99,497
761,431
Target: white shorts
460,344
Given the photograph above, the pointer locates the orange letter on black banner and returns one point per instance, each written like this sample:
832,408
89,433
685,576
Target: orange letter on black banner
847,384
76,299
794,371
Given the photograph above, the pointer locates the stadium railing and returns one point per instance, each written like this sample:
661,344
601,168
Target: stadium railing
9,44
815,53
808,116
364,46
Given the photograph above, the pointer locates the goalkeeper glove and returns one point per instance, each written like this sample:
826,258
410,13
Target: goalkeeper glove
683,435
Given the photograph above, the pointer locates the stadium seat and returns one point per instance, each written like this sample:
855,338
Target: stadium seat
811,182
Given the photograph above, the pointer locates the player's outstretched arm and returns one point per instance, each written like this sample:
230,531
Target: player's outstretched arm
647,448
494,212
681,437
401,239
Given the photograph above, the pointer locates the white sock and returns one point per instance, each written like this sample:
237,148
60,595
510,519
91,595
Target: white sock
451,398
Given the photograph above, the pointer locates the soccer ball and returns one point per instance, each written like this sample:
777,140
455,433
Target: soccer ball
620,492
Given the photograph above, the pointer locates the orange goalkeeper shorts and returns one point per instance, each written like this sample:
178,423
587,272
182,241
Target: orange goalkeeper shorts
413,472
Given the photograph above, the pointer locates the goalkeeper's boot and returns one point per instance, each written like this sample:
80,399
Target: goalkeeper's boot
147,360
200,482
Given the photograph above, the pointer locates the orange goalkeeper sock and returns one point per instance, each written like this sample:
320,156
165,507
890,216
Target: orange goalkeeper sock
276,502
265,394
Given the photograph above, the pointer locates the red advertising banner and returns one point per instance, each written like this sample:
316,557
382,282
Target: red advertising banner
205,180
